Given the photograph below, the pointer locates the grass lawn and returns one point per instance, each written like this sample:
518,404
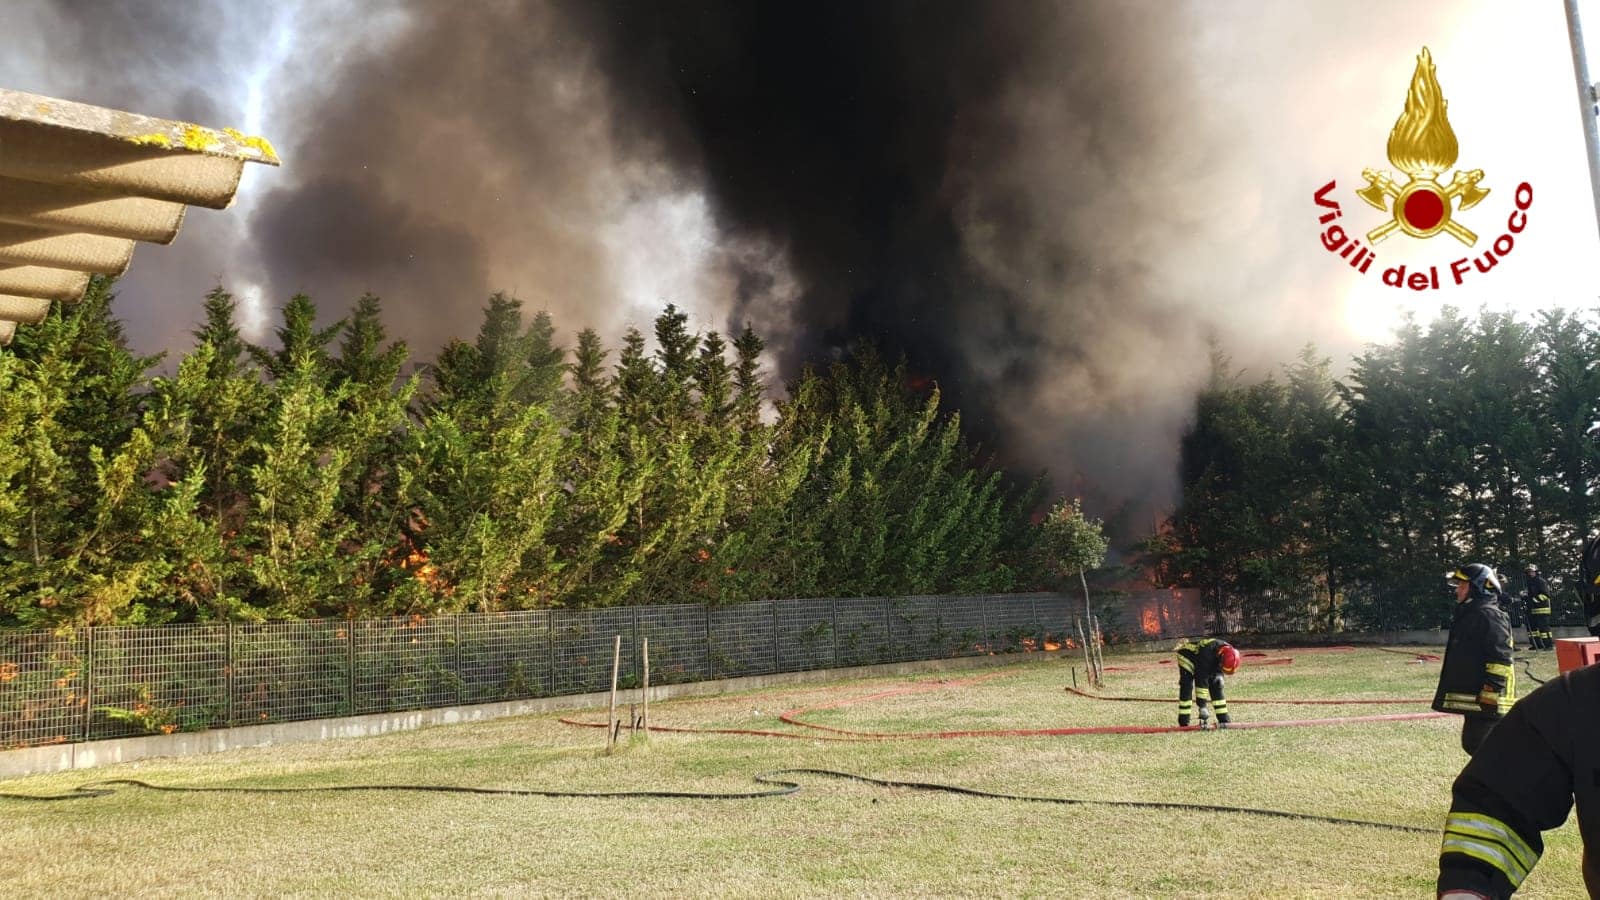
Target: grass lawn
834,838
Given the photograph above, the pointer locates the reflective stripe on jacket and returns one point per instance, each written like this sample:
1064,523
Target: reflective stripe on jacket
1477,660
1522,781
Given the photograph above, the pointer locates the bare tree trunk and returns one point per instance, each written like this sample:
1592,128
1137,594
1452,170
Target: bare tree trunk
611,718
1099,658
1087,613
1088,662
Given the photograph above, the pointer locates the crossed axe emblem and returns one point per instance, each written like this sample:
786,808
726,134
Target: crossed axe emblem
1421,207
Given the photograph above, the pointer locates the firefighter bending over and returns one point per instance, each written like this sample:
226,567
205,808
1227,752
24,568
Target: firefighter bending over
1538,600
1201,665
1522,781
1475,680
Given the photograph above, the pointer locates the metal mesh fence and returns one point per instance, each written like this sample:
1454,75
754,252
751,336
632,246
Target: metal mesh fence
742,639
1013,624
504,656
1149,615
288,671
584,642
88,684
680,648
906,624
805,635
157,680
1055,617
959,629
405,663
44,694
863,631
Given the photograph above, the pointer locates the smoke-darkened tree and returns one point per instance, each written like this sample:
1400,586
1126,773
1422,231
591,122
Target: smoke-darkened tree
1459,442
895,501
313,479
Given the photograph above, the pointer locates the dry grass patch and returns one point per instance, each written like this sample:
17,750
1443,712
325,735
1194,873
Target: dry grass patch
835,838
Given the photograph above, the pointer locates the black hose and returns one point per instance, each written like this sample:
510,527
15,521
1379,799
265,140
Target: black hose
1126,804
1425,651
107,788
1527,669
782,787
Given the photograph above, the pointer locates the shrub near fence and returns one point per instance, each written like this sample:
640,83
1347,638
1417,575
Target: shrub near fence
95,683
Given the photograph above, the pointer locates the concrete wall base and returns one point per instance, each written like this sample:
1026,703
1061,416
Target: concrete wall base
91,754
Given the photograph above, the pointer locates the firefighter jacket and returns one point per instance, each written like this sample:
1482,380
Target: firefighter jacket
1476,679
1538,596
1200,678
1522,781
1201,658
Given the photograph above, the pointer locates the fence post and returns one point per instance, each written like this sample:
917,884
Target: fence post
350,662
636,640
888,636
711,665
461,681
550,642
983,617
1033,610
833,611
227,671
775,635
88,680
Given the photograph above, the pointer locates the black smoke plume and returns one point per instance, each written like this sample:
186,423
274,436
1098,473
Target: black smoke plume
1022,197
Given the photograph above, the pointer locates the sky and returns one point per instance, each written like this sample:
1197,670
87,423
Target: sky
1050,208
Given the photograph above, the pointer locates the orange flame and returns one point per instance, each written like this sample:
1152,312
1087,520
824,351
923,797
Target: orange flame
1150,622
426,572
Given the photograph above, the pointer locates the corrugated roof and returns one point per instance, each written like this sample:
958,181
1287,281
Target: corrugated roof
80,184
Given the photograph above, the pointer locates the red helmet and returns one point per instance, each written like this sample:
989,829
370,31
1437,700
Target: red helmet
1229,658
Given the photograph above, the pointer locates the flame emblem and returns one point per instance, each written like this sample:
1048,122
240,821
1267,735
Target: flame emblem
1423,146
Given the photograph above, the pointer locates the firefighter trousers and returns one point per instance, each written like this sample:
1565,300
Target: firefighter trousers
1210,694
1539,635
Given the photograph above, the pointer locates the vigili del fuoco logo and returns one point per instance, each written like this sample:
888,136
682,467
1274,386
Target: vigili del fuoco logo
1422,205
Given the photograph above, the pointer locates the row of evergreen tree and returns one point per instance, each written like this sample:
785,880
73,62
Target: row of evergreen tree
1307,500
323,478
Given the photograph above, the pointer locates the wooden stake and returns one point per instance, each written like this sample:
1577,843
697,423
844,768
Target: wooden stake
1088,664
611,720
1100,649
645,653
1099,652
